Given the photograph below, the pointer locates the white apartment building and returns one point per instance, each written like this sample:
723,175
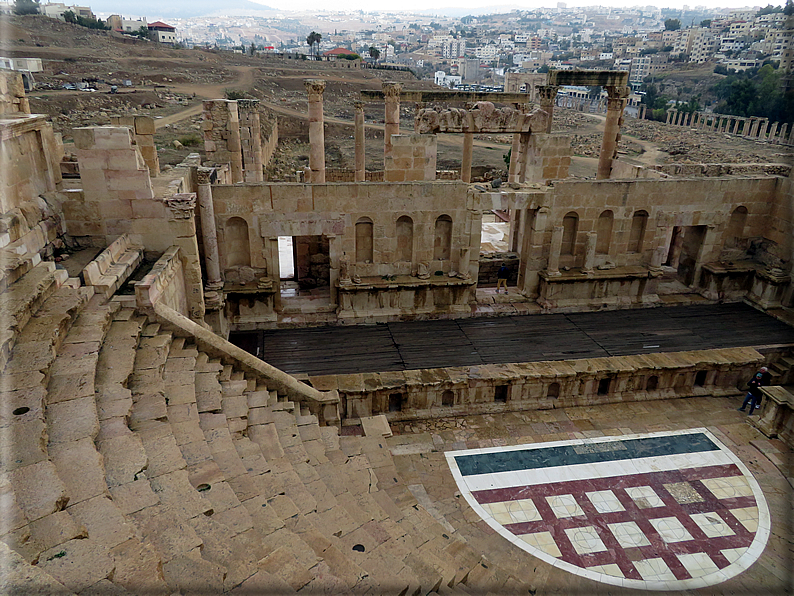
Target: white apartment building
704,45
487,52
56,10
454,48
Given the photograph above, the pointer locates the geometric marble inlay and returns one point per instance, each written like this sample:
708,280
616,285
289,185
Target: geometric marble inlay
670,511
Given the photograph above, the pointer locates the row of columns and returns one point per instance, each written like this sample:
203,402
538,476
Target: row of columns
751,128
314,90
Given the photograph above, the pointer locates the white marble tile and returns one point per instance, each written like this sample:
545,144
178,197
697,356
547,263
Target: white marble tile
610,569
748,516
728,487
605,501
542,541
698,564
712,525
585,540
670,529
732,554
628,534
654,569
644,497
564,506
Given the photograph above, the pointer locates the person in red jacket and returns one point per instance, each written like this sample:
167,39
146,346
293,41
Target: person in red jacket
760,379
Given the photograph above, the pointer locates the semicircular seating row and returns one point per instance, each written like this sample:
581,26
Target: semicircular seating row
134,463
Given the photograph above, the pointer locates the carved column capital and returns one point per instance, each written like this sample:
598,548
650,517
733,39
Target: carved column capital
359,105
247,104
182,205
547,92
315,88
204,175
392,90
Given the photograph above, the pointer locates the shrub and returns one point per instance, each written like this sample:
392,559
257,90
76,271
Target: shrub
233,94
189,140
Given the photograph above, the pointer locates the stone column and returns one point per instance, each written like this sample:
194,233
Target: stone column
251,139
547,95
512,174
391,93
209,234
791,136
361,172
523,156
781,136
609,144
764,126
589,252
669,115
553,267
315,88
465,165
736,126
772,132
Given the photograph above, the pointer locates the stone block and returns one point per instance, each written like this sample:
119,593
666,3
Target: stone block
38,490
104,520
81,468
78,564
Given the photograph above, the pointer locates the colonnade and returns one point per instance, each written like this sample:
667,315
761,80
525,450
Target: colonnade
749,128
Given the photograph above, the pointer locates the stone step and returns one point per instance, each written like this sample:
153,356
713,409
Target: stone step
19,303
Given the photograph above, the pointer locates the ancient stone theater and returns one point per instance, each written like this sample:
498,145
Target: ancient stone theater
187,411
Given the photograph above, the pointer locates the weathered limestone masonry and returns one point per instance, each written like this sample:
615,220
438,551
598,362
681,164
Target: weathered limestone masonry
143,127
251,139
118,198
29,152
361,156
489,389
636,226
221,127
391,93
412,158
531,81
394,248
315,88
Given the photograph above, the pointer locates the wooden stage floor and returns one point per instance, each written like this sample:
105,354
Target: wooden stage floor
499,340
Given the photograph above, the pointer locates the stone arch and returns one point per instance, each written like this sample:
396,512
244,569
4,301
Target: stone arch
604,232
442,247
736,225
364,242
639,223
238,249
405,239
553,390
652,384
448,398
570,227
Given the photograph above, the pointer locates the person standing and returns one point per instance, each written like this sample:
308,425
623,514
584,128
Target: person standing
501,277
760,379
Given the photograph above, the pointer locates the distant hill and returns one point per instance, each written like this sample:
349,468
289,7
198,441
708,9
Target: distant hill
179,9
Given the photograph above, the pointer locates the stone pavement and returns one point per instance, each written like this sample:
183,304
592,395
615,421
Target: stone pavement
418,449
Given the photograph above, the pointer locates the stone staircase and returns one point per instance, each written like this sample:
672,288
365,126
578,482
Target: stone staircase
136,462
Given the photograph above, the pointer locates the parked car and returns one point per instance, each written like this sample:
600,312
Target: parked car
69,87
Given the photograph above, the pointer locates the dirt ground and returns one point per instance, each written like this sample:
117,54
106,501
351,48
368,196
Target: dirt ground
169,84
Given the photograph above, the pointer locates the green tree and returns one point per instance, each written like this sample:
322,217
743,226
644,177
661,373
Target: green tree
672,24
705,23
374,53
70,17
252,49
312,39
142,32
26,6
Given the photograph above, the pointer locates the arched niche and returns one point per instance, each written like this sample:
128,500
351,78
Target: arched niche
238,249
639,223
570,227
364,244
405,239
442,247
604,232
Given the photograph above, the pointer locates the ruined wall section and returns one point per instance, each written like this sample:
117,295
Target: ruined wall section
669,203
273,210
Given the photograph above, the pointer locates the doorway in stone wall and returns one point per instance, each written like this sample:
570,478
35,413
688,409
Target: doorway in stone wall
683,253
305,281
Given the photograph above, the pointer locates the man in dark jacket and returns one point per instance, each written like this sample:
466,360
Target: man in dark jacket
760,379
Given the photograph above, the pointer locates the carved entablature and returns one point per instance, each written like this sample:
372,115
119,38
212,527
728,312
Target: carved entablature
483,118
